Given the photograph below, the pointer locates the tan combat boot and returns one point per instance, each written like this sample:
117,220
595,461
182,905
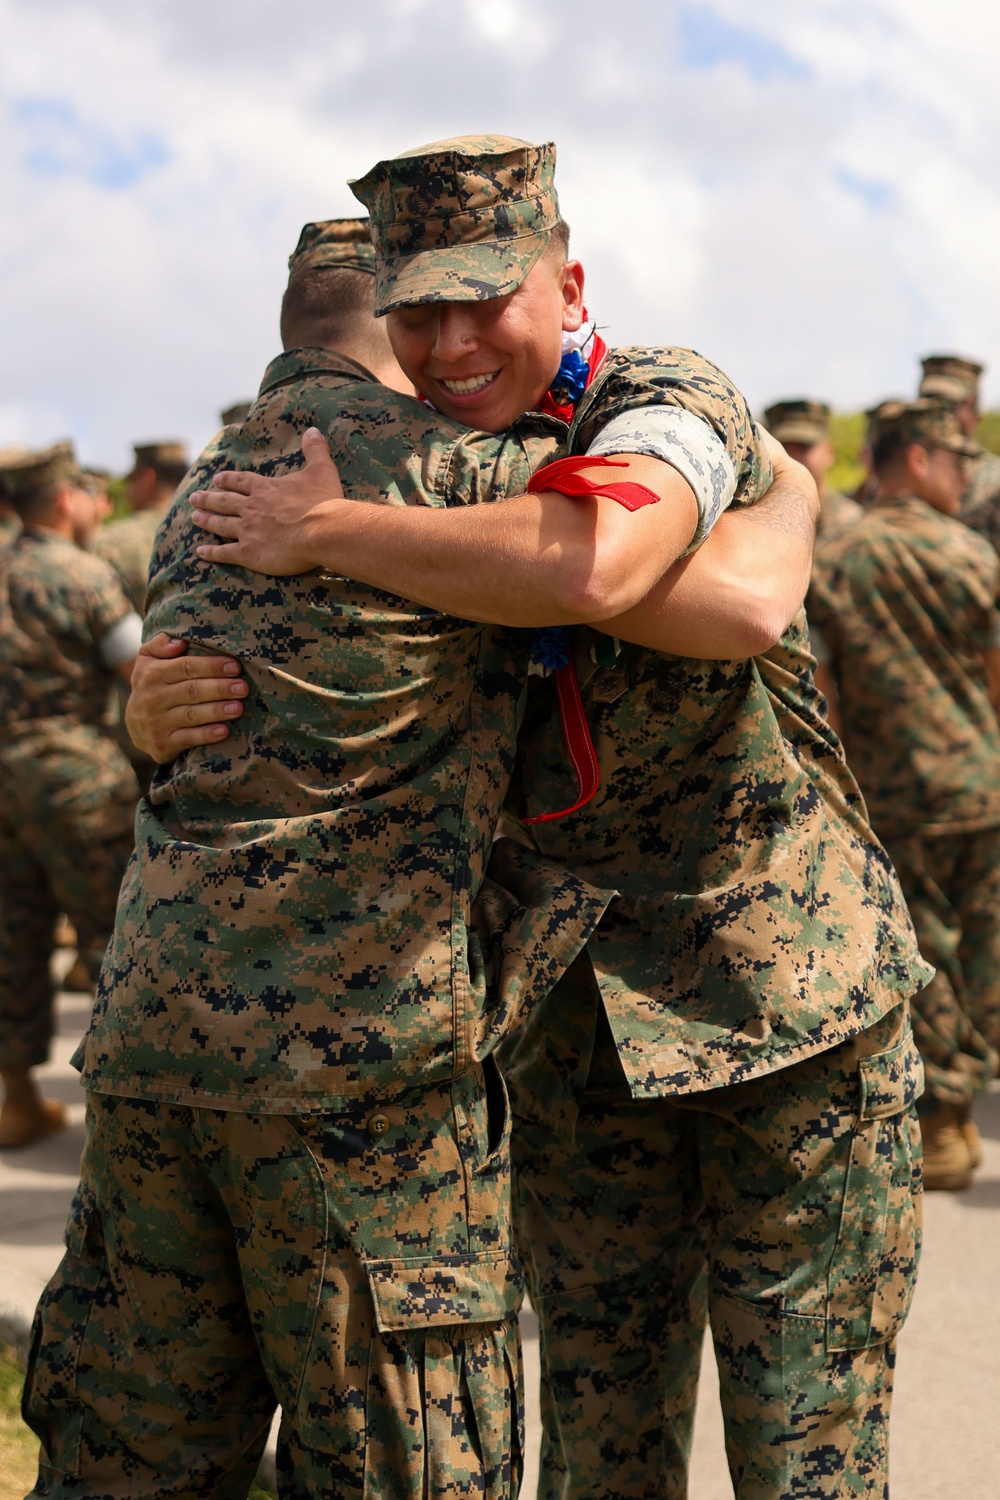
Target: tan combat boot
947,1159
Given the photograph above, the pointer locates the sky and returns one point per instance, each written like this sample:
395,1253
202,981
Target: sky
806,191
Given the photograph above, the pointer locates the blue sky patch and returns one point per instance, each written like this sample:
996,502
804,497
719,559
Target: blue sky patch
708,39
873,194
58,143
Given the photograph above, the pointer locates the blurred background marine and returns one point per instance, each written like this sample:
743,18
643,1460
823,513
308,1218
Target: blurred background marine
67,793
128,544
955,380
905,620
803,426
231,416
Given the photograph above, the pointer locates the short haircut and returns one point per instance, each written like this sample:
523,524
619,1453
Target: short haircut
329,307
33,501
559,241
889,447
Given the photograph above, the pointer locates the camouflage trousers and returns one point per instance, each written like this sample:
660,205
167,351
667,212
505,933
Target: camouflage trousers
355,1269
68,808
952,887
785,1210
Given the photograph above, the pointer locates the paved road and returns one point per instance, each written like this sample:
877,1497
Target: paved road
946,1429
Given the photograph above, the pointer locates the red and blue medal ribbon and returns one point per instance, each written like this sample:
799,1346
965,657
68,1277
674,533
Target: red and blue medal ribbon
551,647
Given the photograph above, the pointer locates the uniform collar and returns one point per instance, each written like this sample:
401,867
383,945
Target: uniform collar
294,363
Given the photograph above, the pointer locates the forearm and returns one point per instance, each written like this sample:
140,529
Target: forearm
538,559
736,595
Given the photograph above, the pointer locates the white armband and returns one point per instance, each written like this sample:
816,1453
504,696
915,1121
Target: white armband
121,643
684,441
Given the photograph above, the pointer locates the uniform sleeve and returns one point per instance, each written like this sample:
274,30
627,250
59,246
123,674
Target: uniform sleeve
105,600
634,380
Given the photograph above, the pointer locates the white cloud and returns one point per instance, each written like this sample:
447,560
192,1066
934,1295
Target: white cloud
808,194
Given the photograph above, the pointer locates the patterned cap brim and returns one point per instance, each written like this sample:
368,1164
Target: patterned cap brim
457,273
798,430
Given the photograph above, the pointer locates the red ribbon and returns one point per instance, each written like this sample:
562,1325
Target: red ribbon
565,477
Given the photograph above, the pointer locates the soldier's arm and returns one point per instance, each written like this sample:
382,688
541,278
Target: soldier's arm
539,559
180,700
736,595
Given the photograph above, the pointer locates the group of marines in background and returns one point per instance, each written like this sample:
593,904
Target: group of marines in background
905,629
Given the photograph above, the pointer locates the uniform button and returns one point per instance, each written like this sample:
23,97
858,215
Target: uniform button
378,1125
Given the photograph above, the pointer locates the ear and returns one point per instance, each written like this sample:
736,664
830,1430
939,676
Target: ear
917,460
571,285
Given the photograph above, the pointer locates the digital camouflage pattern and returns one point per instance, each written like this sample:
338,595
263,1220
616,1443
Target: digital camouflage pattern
981,500
952,887
67,806
340,243
837,514
907,605
934,424
798,421
297,927
950,377
56,603
462,220
355,1269
787,1209
67,793
127,545
758,919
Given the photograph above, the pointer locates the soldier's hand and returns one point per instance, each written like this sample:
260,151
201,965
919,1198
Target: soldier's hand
267,523
179,700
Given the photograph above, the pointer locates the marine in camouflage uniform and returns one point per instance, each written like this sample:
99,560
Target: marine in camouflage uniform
908,612
717,1103
10,521
67,794
736,1032
296,1183
803,427
127,544
954,380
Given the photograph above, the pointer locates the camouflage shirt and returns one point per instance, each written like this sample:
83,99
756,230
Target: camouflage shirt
907,605
837,514
759,919
128,546
10,530
981,501
57,603
297,928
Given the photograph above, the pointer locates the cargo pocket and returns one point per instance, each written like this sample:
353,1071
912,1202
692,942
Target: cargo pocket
445,1389
51,1405
874,1266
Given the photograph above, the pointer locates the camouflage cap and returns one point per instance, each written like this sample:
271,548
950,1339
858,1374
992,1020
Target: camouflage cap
461,220
881,410
799,421
950,377
333,242
230,415
930,423
96,480
23,471
169,454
